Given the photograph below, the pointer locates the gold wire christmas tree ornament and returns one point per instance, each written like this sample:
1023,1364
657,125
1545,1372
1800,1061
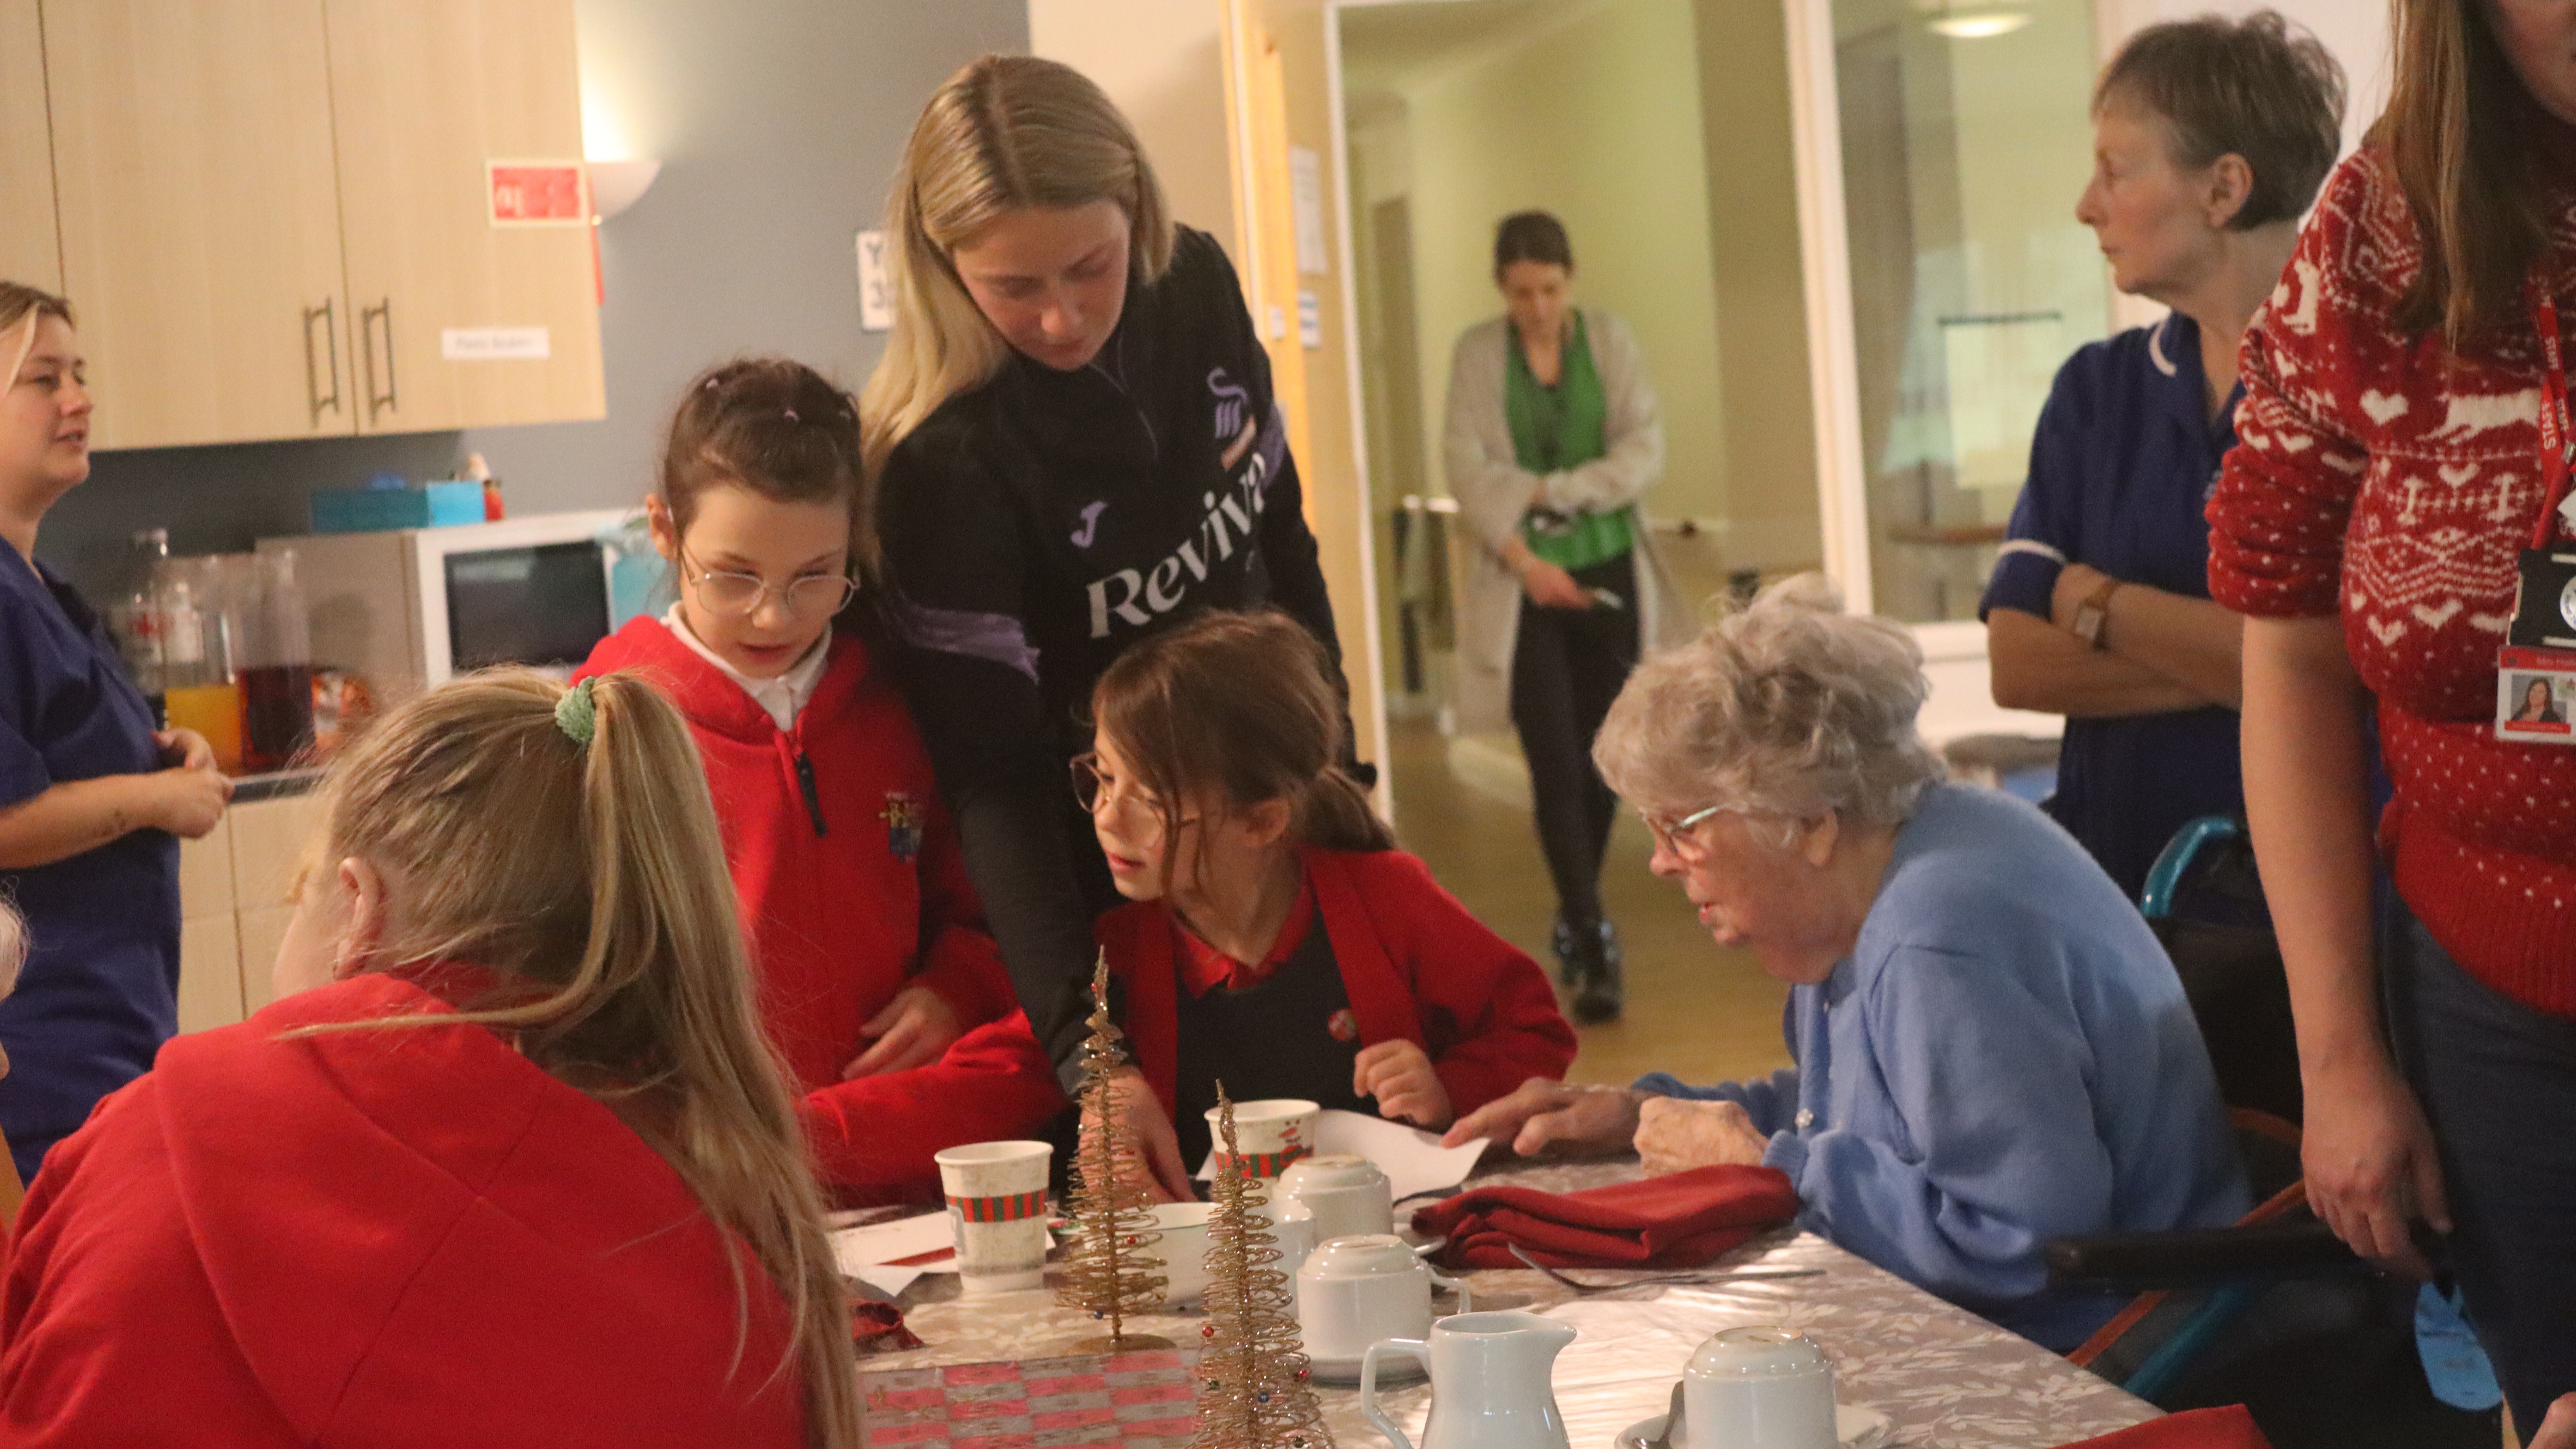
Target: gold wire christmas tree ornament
1111,1271
1253,1391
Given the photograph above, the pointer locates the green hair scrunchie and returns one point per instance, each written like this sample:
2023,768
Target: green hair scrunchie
577,713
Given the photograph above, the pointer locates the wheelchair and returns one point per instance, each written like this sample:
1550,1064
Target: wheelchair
2273,1312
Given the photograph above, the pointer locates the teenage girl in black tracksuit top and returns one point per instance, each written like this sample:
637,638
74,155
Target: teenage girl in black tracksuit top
1036,526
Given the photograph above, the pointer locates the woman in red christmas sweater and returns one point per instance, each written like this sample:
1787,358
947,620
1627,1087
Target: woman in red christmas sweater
2400,435
877,980
554,1196
1275,936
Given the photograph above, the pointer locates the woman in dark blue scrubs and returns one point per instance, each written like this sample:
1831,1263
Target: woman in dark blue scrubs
93,797
2211,137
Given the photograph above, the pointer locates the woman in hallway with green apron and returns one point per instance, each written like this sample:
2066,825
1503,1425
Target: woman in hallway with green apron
1552,439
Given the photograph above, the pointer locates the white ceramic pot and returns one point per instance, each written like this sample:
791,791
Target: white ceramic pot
997,1210
1759,1388
1184,1226
1354,1291
1347,1193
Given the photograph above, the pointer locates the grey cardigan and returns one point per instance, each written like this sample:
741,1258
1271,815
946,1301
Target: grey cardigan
1493,491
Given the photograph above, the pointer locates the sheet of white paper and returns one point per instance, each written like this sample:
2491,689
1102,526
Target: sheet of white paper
881,1243
1413,1160
885,1278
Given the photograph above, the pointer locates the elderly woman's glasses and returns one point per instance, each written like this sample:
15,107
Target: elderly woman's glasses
1679,836
1140,814
811,597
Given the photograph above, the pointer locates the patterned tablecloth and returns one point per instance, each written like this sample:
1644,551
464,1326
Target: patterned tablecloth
1944,1377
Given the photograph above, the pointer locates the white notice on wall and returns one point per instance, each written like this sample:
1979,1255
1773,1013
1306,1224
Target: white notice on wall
876,301
496,344
1306,199
1310,318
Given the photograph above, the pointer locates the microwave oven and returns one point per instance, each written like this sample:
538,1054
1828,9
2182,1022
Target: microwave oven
410,608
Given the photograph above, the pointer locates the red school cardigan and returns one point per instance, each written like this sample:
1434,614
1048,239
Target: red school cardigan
852,887
2380,476
1416,965
403,1237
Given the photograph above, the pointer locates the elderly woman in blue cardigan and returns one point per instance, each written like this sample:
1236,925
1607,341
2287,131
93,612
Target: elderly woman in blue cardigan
1992,1050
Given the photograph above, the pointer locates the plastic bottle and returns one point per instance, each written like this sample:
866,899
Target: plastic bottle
277,673
136,619
201,692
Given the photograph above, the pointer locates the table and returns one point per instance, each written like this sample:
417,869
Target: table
1946,1378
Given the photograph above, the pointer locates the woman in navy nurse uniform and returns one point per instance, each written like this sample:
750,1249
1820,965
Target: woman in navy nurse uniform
92,797
2211,137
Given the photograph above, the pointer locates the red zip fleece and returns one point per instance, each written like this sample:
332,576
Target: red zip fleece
852,888
409,1236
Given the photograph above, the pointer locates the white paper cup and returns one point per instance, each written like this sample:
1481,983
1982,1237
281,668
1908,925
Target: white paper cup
1184,1226
997,1209
1270,1133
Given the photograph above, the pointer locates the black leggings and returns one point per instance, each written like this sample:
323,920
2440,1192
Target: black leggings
1567,666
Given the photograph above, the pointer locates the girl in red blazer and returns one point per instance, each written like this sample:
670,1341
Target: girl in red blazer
506,1162
1276,938
874,967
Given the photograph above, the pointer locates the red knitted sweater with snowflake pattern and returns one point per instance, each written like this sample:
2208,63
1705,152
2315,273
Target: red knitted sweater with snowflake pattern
2381,476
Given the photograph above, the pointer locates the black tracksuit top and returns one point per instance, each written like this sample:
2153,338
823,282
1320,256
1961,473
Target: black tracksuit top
1035,527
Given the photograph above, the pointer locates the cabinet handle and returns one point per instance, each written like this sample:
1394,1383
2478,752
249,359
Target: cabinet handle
331,336
367,317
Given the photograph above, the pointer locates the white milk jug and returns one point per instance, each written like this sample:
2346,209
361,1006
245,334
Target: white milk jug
1492,1382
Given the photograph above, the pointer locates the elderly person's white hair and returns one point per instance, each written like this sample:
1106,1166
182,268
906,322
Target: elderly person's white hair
1786,709
13,946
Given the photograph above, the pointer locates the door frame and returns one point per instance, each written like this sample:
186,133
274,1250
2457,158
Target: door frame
1954,653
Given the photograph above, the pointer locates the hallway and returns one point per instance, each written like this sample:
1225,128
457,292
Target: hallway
1699,1012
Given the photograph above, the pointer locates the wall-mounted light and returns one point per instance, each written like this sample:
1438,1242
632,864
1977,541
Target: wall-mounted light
1976,21
617,185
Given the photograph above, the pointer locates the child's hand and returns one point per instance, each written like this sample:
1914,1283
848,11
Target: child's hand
1139,1114
912,1031
1398,1074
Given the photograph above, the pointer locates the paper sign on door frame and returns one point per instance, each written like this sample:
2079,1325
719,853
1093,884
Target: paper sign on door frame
537,193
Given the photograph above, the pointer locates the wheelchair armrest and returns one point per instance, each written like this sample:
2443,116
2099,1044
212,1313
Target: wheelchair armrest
2139,1262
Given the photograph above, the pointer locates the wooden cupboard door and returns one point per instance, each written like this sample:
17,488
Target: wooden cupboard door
210,973
426,97
30,249
200,221
262,931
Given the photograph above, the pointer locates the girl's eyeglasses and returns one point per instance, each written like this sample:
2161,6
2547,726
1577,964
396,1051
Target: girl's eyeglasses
814,596
1141,813
1680,837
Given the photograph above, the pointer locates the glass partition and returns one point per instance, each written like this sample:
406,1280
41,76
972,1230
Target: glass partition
1965,139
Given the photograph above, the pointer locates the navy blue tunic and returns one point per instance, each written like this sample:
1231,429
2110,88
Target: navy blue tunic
2120,468
100,991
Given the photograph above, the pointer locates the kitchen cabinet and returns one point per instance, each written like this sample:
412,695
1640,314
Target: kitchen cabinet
274,215
29,246
236,890
200,221
424,96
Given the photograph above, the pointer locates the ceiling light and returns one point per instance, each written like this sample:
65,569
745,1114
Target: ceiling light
1980,23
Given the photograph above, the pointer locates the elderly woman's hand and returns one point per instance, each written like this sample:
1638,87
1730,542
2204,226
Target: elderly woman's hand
1544,1114
1676,1135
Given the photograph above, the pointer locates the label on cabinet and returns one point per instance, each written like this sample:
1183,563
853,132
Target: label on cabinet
495,344
537,193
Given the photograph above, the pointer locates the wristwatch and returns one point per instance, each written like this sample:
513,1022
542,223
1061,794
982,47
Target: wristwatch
2094,613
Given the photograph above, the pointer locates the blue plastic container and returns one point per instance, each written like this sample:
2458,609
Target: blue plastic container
408,505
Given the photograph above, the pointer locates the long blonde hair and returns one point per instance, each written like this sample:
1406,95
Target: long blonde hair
1006,133
595,875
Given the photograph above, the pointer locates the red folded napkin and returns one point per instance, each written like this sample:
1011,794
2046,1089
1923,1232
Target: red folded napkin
2227,1428
1678,1220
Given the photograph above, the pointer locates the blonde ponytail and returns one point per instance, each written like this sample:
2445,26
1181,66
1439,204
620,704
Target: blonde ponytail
593,869
1006,133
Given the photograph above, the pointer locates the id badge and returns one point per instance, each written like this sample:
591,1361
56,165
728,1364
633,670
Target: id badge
2536,671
